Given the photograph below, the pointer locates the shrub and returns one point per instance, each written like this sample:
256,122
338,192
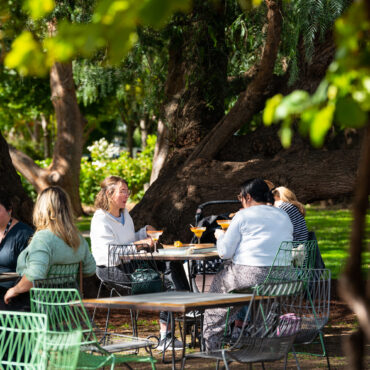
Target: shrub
136,171
105,160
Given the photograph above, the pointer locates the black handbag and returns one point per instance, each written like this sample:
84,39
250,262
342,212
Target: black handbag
146,281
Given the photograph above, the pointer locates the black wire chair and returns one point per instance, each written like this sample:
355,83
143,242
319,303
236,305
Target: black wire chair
271,324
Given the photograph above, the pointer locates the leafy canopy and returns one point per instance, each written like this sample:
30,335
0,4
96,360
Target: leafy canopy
343,97
110,18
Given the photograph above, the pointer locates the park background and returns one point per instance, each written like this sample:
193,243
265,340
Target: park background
212,92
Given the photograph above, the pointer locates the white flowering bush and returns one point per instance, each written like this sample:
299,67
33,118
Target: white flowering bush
106,160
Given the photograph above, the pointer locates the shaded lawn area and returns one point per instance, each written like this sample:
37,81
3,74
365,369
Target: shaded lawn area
332,228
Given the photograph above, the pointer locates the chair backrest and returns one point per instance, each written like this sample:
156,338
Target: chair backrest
64,269
296,254
291,260
62,276
315,304
62,315
134,268
272,321
22,340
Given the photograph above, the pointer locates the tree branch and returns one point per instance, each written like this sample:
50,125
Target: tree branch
251,99
34,174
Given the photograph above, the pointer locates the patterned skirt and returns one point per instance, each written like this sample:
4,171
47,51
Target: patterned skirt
231,277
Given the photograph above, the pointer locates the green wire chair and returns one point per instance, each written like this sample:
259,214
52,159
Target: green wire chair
292,257
315,310
25,343
66,317
22,340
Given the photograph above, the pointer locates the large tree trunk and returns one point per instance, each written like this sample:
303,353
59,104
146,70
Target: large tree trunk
221,160
11,184
252,100
196,80
143,124
171,201
65,168
354,285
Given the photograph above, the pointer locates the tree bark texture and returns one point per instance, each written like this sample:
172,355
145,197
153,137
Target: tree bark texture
11,184
354,286
160,150
65,168
196,80
312,174
250,100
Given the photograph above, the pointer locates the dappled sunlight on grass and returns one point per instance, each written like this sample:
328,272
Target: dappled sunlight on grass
332,229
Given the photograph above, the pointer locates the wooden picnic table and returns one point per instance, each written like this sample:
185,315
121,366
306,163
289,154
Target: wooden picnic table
171,301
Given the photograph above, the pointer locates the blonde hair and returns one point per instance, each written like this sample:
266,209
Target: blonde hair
108,186
269,184
53,211
286,195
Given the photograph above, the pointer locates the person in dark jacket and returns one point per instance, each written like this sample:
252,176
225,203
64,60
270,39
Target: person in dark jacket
14,237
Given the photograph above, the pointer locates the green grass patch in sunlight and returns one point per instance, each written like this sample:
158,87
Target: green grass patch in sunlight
83,223
332,229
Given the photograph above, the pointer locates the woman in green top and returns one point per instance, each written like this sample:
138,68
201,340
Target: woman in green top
56,241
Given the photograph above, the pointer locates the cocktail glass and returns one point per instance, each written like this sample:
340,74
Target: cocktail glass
198,231
224,224
154,235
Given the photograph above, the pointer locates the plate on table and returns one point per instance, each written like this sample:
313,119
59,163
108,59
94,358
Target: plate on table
194,246
173,250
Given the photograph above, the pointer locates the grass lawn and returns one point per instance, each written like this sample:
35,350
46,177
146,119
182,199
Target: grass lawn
332,228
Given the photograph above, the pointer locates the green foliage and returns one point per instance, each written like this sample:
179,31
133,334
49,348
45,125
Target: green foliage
136,171
31,55
343,97
306,21
38,8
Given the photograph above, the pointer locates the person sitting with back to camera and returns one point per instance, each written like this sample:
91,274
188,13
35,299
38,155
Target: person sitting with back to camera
14,238
286,200
113,225
56,241
251,243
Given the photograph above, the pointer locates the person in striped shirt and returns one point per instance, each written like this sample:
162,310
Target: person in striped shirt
287,201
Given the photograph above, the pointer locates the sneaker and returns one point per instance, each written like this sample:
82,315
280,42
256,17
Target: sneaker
167,343
193,314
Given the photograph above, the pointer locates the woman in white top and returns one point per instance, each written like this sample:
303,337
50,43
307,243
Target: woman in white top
251,243
112,224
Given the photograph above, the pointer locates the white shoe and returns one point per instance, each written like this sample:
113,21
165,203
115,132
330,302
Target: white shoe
192,314
168,343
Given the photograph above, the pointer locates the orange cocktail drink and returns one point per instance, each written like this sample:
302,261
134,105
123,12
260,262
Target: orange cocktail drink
198,231
224,224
